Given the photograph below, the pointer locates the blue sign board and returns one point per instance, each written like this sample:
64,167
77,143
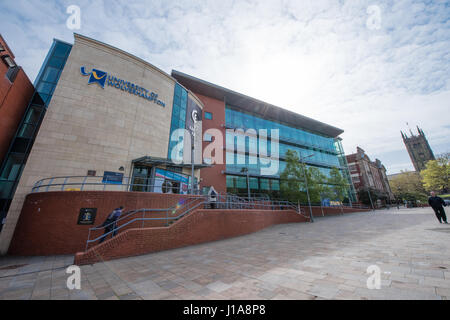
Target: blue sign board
112,177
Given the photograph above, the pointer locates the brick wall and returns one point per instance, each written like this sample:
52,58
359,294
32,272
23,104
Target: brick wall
213,176
199,227
48,223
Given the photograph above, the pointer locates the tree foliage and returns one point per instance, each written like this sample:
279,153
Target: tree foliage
436,174
408,186
339,184
291,179
293,184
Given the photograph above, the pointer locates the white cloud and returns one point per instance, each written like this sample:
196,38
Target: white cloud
315,57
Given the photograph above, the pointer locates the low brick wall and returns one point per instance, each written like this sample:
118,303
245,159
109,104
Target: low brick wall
48,223
200,226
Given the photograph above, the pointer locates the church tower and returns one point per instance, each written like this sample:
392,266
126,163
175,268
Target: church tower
418,148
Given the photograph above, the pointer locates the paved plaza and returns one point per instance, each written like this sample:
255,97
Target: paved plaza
327,259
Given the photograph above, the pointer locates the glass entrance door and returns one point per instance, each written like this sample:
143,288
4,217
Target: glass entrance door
141,180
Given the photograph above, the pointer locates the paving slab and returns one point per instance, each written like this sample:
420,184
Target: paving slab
327,259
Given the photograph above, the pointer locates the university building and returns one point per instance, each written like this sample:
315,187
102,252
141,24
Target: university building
369,178
16,91
104,127
317,143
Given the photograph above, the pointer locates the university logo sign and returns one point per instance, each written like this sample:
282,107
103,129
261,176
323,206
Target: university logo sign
102,78
96,76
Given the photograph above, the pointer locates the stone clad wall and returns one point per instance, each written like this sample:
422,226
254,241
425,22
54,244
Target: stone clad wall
88,127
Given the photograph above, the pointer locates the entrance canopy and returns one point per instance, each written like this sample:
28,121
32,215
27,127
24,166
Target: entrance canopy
155,161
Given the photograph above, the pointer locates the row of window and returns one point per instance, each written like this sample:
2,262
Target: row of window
241,143
256,184
238,119
235,162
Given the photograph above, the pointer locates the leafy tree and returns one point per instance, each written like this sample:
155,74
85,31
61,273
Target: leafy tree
408,186
436,174
292,180
339,184
317,184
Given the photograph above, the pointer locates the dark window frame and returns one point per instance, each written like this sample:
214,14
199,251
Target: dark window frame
10,63
12,73
208,113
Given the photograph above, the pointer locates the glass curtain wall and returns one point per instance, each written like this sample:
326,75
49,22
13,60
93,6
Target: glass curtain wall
11,168
326,152
178,116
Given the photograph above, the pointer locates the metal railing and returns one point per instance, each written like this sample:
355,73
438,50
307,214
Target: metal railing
189,204
97,183
173,213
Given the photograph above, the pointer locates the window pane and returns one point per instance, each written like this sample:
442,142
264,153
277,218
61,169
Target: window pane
45,88
230,182
56,62
50,74
33,114
26,131
264,184
61,50
241,182
275,185
12,167
12,73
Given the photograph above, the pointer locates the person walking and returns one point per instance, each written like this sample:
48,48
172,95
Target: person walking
110,223
438,204
212,197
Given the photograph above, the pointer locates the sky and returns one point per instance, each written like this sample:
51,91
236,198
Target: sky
371,68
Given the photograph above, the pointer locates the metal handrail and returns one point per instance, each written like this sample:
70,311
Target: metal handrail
143,211
61,182
222,203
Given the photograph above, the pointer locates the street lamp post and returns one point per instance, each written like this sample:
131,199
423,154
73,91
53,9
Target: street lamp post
306,184
370,198
248,181
192,162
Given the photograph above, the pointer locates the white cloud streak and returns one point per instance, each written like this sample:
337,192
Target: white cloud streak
314,57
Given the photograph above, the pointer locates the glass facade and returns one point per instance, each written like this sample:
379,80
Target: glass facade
178,116
11,168
326,152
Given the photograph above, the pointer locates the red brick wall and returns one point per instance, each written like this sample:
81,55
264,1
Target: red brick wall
14,98
213,176
48,221
199,227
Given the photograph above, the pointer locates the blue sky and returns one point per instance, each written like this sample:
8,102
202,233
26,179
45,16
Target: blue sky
368,67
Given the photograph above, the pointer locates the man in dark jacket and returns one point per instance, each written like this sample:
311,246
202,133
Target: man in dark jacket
437,204
110,223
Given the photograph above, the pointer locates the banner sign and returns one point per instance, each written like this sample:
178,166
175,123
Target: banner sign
193,115
112,177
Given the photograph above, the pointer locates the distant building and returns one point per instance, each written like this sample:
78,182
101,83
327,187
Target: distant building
369,176
418,148
15,93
